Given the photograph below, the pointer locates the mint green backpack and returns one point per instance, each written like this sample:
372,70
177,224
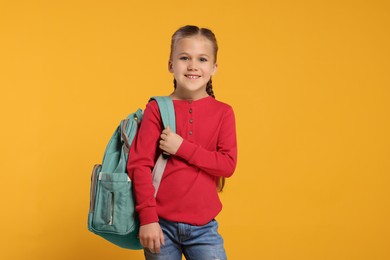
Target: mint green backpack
112,204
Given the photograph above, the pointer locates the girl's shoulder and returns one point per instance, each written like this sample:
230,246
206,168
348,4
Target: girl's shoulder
220,105
217,108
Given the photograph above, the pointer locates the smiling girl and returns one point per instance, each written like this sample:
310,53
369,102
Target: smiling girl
181,218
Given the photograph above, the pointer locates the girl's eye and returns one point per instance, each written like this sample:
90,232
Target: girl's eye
184,58
203,59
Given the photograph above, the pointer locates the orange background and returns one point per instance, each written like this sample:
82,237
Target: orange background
309,82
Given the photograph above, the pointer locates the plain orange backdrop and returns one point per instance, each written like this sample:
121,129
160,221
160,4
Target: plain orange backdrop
309,83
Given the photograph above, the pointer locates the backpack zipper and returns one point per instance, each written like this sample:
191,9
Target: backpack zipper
111,209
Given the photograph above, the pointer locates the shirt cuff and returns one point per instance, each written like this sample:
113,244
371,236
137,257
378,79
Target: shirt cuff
147,216
187,150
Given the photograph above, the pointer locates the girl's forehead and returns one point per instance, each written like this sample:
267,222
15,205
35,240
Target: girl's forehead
194,43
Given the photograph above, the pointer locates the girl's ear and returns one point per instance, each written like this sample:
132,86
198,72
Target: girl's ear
215,69
170,66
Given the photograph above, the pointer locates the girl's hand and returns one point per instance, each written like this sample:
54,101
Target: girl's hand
170,141
151,237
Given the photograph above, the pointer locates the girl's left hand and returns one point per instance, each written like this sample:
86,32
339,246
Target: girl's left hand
170,141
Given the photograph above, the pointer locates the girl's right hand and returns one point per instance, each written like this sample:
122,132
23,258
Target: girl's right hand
151,237
170,141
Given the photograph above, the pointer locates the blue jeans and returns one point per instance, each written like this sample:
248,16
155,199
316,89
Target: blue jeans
195,242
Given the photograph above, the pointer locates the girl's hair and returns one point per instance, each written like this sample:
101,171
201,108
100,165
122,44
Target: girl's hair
189,31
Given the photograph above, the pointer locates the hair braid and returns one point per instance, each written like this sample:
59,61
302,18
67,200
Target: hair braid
209,88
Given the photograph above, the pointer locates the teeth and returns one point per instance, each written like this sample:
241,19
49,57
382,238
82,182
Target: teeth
192,76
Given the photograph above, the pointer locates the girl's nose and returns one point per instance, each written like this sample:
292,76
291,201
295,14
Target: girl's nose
191,66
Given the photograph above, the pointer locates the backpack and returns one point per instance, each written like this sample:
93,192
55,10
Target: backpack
112,204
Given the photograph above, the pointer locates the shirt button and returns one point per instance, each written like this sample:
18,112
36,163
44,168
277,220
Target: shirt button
190,110
190,121
190,133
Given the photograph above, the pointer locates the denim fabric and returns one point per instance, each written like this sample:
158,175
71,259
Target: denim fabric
195,242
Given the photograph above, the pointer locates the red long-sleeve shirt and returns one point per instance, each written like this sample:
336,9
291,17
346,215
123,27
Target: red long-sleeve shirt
188,189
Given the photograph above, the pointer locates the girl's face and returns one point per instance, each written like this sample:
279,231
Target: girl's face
192,64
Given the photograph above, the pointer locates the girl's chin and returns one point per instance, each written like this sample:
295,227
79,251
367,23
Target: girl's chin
192,88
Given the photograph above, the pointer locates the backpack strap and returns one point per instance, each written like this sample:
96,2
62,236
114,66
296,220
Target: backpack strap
167,113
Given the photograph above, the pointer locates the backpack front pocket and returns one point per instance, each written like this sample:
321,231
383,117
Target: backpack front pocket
114,205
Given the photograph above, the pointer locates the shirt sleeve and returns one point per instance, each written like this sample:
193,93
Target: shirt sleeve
221,162
141,162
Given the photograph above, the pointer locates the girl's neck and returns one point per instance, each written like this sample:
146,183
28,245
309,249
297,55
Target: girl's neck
180,95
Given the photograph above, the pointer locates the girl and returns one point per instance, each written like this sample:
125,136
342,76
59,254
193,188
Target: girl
180,220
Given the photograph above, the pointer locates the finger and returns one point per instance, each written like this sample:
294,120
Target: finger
150,246
147,243
157,246
143,244
167,130
162,238
163,148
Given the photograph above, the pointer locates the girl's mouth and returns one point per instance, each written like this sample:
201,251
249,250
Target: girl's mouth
192,76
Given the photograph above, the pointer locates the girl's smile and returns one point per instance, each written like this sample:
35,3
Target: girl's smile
192,76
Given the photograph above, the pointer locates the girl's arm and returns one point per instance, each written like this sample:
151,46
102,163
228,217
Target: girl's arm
140,165
221,162
141,162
